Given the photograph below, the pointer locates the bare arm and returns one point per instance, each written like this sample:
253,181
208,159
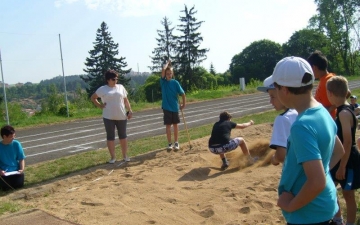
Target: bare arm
338,152
22,165
94,98
346,121
182,106
164,68
279,156
128,107
244,125
313,185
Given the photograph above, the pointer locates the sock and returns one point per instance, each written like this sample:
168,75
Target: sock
224,160
338,220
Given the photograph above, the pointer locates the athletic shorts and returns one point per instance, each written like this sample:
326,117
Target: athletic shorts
171,117
220,149
352,172
110,128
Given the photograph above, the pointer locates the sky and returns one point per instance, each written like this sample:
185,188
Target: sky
31,31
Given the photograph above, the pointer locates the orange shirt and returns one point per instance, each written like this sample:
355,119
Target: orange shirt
321,96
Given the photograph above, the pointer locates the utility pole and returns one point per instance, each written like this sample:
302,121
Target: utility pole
2,76
62,66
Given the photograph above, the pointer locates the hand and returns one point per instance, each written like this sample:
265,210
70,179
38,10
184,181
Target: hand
251,122
340,173
129,116
274,161
21,171
102,106
182,106
284,201
2,172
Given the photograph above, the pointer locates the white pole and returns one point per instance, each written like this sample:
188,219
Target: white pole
62,65
2,76
242,83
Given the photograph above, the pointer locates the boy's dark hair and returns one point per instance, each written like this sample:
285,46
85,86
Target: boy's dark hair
300,90
225,116
109,74
7,130
318,59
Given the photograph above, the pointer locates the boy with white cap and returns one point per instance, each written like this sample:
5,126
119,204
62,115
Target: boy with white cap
282,123
307,194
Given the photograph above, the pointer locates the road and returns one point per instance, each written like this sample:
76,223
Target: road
59,140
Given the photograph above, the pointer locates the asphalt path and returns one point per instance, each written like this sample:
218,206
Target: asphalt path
55,141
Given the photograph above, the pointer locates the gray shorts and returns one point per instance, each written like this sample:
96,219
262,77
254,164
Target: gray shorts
171,117
110,128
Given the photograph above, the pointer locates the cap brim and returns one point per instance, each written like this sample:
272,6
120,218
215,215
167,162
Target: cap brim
264,89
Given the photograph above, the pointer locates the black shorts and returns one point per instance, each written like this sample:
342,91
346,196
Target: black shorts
12,181
171,117
352,172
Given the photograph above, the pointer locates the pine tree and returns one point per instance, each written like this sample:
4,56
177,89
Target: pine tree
189,54
166,44
102,58
212,69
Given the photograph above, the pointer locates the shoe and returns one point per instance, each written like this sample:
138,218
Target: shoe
253,160
176,146
170,147
225,165
127,159
112,161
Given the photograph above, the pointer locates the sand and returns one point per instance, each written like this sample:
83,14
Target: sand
168,187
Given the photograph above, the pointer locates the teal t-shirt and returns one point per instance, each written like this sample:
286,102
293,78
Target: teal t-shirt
312,137
170,91
10,155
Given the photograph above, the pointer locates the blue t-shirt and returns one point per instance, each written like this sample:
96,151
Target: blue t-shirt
10,155
170,91
312,137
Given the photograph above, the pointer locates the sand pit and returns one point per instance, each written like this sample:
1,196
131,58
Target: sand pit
184,187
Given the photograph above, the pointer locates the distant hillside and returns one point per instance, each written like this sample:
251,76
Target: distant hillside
29,94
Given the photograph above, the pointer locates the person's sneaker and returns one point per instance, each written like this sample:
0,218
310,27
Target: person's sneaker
170,147
176,146
225,165
127,159
112,161
253,160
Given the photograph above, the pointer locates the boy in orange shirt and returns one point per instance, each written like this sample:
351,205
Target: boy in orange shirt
319,64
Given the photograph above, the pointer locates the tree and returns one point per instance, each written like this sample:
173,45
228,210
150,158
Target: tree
256,61
212,69
189,54
166,45
304,42
337,18
102,58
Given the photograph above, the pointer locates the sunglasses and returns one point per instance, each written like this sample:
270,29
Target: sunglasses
113,79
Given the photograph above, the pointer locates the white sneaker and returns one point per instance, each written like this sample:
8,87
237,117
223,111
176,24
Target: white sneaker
112,161
127,159
176,146
170,147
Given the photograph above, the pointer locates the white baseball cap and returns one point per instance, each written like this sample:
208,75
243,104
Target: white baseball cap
268,84
290,71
